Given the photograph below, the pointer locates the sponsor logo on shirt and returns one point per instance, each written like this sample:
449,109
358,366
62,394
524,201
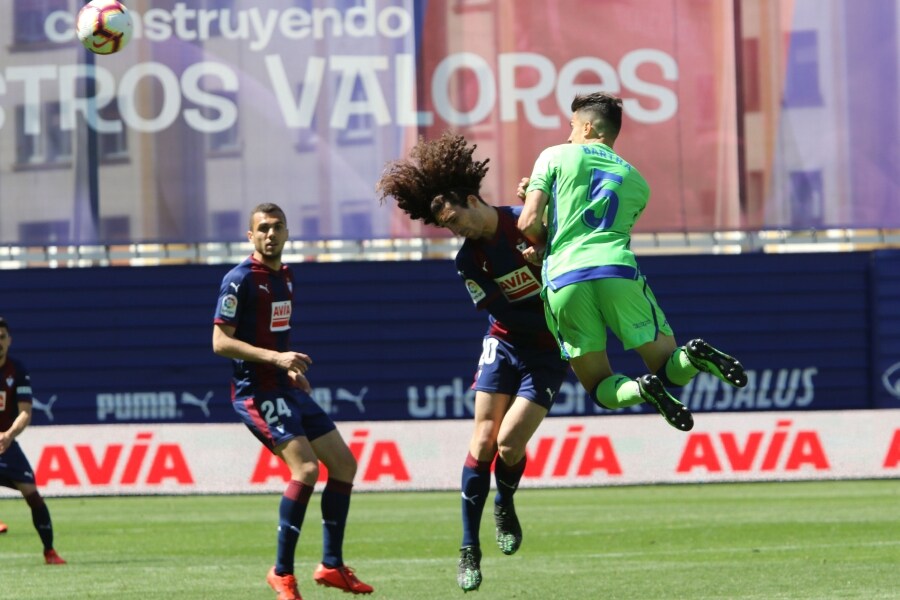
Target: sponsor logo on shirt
475,291
281,316
229,306
519,284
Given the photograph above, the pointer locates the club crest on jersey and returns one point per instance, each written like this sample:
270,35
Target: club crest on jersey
281,316
10,381
519,284
475,291
229,306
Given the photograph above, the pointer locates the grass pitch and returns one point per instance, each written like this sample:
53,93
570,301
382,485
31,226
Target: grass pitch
812,540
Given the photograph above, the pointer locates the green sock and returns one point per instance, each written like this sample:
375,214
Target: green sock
679,369
617,391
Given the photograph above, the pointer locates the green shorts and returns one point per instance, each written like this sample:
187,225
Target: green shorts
579,314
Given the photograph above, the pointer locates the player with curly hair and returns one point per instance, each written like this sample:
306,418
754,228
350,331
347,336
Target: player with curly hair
520,369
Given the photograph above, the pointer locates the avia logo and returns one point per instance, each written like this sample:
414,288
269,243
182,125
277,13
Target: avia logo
47,408
892,458
576,455
377,459
281,316
519,284
760,451
114,464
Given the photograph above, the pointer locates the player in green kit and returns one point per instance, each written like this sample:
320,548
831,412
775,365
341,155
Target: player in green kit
593,198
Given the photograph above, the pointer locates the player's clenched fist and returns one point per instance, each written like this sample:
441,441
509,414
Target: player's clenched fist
522,188
293,361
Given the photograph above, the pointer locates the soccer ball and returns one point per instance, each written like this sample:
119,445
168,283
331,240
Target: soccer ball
103,26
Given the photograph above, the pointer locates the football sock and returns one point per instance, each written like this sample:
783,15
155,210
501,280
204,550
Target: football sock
678,370
290,519
40,516
335,507
508,478
476,485
617,391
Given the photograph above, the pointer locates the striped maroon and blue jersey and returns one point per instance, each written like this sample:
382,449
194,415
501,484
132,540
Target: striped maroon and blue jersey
500,281
257,302
15,387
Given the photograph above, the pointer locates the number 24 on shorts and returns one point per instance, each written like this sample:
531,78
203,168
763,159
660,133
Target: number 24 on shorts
272,410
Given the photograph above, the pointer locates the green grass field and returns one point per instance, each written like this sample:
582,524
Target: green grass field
811,540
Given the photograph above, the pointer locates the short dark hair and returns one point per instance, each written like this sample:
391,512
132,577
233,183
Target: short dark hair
267,208
604,110
438,171
4,324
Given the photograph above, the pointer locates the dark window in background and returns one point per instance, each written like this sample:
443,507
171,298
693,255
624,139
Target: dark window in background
802,77
115,229
750,75
44,233
226,142
807,199
228,225
112,146
49,146
29,17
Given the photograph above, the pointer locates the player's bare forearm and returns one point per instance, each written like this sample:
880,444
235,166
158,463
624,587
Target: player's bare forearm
531,222
225,344
18,426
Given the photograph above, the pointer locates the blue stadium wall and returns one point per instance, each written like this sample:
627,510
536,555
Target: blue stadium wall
400,340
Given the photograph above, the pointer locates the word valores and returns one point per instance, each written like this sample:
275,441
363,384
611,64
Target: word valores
380,89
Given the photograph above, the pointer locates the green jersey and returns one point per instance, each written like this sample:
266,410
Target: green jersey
595,199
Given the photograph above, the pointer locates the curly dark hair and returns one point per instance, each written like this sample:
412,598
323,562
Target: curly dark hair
437,172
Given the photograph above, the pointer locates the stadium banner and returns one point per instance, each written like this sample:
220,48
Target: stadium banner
209,108
394,456
886,316
401,340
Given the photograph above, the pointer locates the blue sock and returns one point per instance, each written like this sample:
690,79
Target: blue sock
40,517
290,519
508,477
476,485
335,507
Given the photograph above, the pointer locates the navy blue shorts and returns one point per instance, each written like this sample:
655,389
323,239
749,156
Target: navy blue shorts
278,417
14,467
533,374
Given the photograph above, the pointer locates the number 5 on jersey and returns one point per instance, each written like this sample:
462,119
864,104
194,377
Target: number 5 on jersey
604,202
